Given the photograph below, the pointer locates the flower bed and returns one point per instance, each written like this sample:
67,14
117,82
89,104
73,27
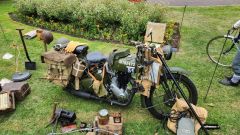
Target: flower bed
113,20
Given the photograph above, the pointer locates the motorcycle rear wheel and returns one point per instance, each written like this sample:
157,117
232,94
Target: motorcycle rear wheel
159,103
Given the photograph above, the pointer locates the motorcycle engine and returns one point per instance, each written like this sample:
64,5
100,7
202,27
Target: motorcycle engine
119,85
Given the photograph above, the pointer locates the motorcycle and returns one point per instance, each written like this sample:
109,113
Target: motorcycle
119,77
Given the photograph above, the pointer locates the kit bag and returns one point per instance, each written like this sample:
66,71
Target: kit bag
78,68
20,89
7,102
59,66
98,87
77,71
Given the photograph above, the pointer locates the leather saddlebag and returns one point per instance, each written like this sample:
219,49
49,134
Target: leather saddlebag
7,102
20,89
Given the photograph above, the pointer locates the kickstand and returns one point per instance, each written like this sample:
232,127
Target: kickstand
182,94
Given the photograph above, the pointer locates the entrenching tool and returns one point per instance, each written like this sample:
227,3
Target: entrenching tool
30,65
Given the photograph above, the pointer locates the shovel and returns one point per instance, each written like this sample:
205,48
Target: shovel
30,65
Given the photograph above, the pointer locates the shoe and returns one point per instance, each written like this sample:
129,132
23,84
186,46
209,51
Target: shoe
227,81
236,40
228,77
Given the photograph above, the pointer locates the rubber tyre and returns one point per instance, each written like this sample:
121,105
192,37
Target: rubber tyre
192,92
215,60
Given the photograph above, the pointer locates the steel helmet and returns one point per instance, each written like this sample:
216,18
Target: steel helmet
47,37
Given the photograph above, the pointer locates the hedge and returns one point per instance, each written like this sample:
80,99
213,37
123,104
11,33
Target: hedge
116,20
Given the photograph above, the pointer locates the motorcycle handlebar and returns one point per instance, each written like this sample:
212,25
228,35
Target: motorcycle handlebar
135,42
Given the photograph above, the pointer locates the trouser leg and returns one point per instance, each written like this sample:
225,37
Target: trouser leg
235,78
236,68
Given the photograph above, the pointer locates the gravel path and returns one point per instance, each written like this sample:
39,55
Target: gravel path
196,2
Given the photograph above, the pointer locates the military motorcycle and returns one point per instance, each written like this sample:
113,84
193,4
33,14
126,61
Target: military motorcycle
119,77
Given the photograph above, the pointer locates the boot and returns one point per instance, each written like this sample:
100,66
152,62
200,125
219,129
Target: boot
228,82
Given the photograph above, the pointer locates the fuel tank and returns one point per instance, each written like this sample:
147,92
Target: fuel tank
121,60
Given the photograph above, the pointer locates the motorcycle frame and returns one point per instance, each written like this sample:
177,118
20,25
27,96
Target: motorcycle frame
167,70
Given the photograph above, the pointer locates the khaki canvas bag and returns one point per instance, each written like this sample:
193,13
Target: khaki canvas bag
59,66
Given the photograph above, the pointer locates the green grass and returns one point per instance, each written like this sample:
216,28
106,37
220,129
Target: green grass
199,26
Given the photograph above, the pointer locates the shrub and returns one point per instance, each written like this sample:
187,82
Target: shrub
118,20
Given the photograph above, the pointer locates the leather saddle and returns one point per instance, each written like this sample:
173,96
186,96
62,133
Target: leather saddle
82,49
95,58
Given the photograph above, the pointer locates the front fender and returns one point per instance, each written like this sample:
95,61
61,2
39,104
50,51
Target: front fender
179,70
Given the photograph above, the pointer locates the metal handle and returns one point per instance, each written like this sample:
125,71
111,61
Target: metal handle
24,45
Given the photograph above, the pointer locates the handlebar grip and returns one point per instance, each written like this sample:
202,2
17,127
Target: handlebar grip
135,42
19,29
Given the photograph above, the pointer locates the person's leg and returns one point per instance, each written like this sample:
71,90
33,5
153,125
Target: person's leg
236,68
235,79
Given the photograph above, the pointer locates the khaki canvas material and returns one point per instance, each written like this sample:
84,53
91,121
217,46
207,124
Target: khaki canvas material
149,76
98,86
7,102
147,87
181,106
158,31
78,68
77,71
59,66
56,58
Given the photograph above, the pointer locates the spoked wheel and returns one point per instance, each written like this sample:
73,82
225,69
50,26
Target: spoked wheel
162,99
214,48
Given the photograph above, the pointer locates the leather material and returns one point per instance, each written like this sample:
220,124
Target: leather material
96,57
81,49
20,89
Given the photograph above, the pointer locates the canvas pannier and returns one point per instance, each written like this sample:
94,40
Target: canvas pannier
59,66
20,89
78,70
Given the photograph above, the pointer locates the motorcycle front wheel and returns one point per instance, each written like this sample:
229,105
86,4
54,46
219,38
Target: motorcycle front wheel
162,98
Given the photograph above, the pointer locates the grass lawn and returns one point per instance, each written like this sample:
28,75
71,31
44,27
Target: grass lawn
199,26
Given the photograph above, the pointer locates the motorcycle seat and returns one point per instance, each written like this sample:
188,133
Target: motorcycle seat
82,49
95,57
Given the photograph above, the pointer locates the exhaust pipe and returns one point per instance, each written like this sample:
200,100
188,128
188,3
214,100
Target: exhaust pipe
86,95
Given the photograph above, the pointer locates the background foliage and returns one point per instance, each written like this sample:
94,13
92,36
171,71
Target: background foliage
117,20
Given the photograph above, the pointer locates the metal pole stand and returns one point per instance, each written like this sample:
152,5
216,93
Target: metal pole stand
182,94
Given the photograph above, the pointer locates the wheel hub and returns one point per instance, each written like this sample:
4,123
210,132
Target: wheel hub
168,100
